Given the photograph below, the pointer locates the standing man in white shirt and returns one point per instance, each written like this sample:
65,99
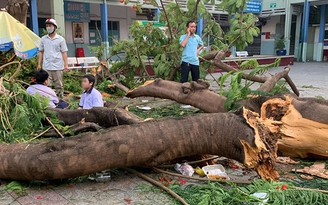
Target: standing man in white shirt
53,56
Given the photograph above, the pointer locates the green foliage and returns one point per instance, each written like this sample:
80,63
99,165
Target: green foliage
232,6
310,86
243,30
217,194
320,97
26,72
72,83
279,43
103,86
240,89
164,48
147,188
168,111
17,187
21,114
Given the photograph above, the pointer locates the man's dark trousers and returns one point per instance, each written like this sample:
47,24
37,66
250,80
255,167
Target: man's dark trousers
185,68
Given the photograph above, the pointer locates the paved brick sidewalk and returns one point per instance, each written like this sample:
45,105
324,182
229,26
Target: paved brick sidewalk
117,191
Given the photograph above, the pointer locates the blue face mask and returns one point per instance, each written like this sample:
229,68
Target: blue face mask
50,30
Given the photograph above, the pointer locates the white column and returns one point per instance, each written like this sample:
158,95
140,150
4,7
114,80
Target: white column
57,10
288,24
297,37
322,27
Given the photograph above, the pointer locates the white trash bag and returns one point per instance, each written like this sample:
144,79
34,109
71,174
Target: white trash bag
184,169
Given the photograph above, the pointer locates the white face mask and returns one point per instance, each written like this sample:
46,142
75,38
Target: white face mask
50,30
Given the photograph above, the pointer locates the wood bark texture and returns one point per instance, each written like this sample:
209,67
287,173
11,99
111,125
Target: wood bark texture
103,116
144,144
18,9
191,93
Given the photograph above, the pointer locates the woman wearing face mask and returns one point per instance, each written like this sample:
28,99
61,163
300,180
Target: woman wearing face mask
53,56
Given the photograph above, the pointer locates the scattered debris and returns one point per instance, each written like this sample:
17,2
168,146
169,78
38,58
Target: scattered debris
286,160
184,169
144,107
186,106
129,201
261,195
317,169
101,176
200,171
215,172
289,176
307,177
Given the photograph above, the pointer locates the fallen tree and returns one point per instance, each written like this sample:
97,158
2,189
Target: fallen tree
145,144
252,135
304,121
282,123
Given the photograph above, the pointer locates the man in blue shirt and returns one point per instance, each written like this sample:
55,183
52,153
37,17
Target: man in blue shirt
90,97
192,44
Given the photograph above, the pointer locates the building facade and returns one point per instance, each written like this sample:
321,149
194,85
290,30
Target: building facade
302,23
85,23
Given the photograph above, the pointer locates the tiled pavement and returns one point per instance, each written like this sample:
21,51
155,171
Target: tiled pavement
118,191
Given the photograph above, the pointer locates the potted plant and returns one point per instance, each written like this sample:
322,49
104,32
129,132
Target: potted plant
280,46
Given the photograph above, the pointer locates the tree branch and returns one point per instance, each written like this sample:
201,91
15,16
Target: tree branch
103,116
292,85
192,93
168,21
196,10
140,61
76,128
174,71
272,81
217,56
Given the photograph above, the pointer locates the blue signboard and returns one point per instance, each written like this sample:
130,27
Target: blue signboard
253,6
76,11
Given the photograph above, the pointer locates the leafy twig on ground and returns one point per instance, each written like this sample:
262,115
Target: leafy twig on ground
55,128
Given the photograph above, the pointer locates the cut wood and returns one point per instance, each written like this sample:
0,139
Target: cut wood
302,134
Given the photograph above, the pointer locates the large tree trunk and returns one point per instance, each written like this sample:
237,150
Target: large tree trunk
145,144
298,126
18,9
303,121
